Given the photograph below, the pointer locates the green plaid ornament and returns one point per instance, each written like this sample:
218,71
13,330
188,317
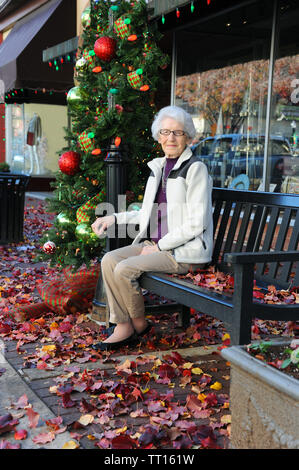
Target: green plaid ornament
88,58
85,141
82,212
122,29
135,80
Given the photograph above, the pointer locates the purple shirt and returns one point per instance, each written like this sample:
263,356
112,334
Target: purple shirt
158,222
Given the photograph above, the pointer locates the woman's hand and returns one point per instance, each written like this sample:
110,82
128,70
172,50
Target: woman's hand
101,224
149,249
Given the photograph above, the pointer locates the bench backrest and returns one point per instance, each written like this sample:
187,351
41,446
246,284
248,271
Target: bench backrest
257,221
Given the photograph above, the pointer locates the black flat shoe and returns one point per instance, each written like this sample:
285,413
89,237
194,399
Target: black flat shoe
108,331
146,330
101,346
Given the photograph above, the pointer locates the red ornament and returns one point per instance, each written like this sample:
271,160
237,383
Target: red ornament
69,162
105,48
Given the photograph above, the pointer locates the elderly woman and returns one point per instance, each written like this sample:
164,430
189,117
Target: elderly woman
175,227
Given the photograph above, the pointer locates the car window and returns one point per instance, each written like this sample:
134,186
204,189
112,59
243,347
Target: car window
204,147
223,145
280,148
252,145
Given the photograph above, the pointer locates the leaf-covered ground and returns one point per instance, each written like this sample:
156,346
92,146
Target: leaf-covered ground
149,401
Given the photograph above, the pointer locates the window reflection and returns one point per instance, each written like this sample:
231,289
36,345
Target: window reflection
227,95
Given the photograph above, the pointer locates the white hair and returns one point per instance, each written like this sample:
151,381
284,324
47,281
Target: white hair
174,112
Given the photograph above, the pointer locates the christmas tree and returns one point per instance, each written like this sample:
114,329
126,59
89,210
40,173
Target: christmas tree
117,72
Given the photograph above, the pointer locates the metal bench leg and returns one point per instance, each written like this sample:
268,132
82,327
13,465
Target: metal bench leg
184,317
240,331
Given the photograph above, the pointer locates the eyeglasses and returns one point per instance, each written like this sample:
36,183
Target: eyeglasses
177,133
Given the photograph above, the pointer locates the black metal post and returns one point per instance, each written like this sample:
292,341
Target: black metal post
115,185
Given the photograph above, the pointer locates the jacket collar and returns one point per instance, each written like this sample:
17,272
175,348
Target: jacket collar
158,163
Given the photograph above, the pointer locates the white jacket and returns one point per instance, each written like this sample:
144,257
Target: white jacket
189,209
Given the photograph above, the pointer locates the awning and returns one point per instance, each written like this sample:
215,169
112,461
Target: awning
19,65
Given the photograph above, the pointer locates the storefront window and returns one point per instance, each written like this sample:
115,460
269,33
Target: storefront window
222,80
285,96
34,137
15,137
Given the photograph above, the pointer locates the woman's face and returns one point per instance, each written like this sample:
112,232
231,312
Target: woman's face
172,145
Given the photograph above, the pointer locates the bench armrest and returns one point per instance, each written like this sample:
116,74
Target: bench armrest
261,257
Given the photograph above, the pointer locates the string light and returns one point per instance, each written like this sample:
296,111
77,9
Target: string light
63,59
178,13
36,91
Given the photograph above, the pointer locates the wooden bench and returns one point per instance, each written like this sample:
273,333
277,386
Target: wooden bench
255,238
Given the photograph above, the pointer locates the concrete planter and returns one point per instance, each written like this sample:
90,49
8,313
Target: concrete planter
264,403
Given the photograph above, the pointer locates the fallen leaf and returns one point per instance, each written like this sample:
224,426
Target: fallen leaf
197,371
4,444
70,445
123,442
20,434
33,417
216,386
44,438
86,419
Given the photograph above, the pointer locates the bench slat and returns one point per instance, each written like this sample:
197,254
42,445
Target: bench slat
221,230
270,230
232,228
255,227
273,268
293,245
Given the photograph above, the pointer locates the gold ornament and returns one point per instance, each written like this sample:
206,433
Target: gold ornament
64,220
84,233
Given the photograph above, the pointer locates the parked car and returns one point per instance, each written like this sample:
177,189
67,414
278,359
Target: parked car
229,155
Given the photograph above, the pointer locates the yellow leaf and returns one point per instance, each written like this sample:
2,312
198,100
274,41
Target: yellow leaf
201,396
49,348
187,365
158,362
121,430
225,336
86,419
197,371
226,419
216,386
70,445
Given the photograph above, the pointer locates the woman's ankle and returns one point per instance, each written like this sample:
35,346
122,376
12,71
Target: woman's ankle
139,323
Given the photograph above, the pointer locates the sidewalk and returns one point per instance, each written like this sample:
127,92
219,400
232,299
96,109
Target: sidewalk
83,428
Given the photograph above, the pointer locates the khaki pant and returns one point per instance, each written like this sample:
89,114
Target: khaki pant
121,269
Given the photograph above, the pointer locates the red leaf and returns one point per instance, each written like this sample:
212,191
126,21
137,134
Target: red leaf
8,445
166,371
22,402
123,442
194,405
7,423
33,417
20,435
44,438
211,399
